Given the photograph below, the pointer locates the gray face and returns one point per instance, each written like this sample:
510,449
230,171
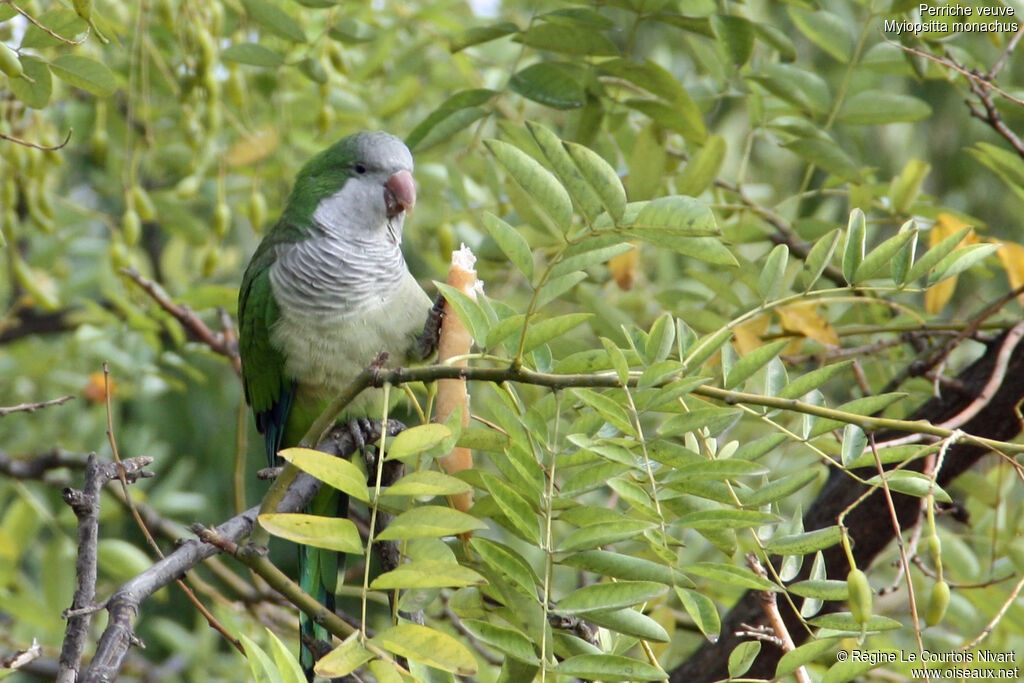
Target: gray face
364,208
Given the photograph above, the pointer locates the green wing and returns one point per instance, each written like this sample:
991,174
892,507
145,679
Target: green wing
267,389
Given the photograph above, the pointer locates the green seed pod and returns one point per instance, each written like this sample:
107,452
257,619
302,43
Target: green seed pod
211,259
324,119
860,595
257,210
445,242
99,144
8,188
39,285
83,8
221,219
236,86
9,62
143,203
937,603
187,187
118,255
131,227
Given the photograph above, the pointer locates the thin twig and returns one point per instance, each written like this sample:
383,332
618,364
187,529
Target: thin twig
224,343
45,29
775,620
35,145
33,407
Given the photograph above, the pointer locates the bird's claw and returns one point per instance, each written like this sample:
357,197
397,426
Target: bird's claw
426,343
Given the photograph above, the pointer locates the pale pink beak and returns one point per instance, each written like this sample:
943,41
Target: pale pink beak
399,193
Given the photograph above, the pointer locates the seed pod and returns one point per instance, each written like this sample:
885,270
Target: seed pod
9,62
143,203
99,143
131,227
860,595
83,8
211,259
187,187
221,219
236,86
118,255
257,210
37,284
937,603
324,118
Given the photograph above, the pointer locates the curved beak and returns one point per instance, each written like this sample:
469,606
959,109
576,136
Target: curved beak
399,193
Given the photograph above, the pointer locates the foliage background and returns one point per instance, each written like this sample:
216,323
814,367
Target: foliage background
189,121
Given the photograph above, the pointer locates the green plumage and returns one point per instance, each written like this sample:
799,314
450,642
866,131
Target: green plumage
325,293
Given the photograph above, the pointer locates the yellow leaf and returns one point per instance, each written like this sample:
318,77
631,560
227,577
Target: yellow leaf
255,146
747,336
623,268
804,319
1012,257
937,296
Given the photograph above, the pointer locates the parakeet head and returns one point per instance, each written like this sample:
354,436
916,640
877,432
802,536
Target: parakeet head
359,186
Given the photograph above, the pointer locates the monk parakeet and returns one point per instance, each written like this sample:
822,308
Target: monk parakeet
325,293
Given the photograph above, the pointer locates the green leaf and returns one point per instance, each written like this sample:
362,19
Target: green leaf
468,310
780,488
427,574
336,472
819,258
686,122
511,242
959,261
481,34
429,521
85,73
660,339
505,640
805,654
631,623
542,187
557,286
275,20
742,656
777,38
343,660
556,85
609,596
853,253
805,542
572,40
872,107
904,259
416,440
427,646
454,114
507,564
610,409
285,661
702,610
712,520
868,405
905,187
844,621
805,90
826,30
719,470
813,379
712,418
602,534
35,93
707,347
678,213
753,361
931,257
331,533
566,170
609,668
64,22
351,31
736,34
546,330
881,256
827,155
822,589
731,575
853,444
608,563
516,509
261,667
912,484
601,177
1004,163
428,483
592,257
702,168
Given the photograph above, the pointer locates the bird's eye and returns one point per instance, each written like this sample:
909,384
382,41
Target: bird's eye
360,169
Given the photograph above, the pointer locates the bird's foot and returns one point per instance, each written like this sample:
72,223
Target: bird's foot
426,343
363,432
